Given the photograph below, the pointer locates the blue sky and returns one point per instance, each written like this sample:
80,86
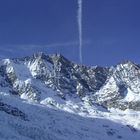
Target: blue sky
111,29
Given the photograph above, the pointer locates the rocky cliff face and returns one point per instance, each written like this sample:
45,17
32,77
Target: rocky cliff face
32,78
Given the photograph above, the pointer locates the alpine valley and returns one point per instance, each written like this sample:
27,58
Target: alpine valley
48,97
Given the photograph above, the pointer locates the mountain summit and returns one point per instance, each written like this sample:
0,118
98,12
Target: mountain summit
52,87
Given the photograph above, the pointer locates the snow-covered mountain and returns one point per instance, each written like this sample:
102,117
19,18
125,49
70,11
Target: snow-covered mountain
47,97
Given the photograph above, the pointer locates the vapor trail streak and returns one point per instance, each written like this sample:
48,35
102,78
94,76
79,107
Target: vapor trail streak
80,28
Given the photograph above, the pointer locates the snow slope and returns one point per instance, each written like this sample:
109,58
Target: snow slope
47,97
47,123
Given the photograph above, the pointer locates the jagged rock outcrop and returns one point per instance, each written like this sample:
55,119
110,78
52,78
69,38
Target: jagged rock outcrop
32,77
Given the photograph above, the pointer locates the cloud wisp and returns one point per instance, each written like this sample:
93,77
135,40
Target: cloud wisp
26,49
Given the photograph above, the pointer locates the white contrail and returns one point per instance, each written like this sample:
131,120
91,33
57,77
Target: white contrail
80,28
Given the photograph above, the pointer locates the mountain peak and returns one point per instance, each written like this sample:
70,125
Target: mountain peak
30,86
69,79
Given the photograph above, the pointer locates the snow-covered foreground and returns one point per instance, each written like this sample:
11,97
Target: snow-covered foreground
44,122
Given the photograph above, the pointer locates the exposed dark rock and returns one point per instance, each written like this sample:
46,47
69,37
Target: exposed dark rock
68,78
13,111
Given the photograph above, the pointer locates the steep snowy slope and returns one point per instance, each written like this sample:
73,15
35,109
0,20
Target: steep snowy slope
49,97
122,88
